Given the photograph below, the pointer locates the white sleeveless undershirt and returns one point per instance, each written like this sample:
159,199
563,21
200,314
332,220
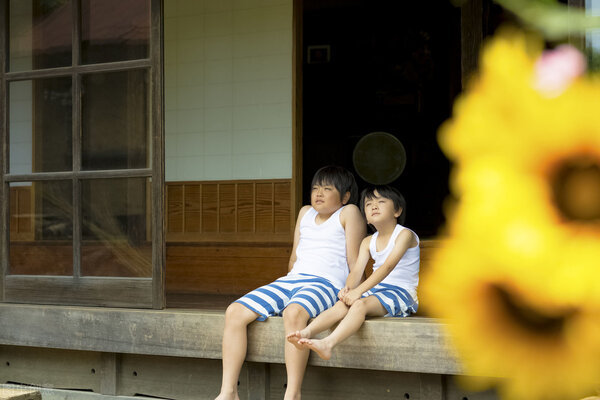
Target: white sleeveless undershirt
321,250
406,273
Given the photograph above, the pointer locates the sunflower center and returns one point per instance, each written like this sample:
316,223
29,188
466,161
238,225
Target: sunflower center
576,187
528,318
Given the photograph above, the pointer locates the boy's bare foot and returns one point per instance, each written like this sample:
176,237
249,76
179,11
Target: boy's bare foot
321,347
294,337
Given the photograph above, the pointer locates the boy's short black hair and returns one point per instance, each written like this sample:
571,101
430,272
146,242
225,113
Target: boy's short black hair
389,193
340,178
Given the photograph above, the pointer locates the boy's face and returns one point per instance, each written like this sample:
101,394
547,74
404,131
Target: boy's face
380,209
325,198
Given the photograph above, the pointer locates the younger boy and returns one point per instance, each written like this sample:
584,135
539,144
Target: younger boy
326,242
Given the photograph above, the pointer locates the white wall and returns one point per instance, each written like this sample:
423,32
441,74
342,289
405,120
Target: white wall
228,89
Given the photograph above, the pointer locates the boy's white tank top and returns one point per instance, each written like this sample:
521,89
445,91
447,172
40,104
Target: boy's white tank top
406,273
321,250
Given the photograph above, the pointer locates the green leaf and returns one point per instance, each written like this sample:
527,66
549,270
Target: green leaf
554,20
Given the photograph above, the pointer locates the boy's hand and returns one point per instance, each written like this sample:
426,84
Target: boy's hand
343,292
351,296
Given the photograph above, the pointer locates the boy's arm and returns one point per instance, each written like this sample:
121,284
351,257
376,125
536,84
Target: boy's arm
303,211
361,262
356,229
403,242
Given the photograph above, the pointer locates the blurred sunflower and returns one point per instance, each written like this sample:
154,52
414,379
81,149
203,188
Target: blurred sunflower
512,326
518,280
553,140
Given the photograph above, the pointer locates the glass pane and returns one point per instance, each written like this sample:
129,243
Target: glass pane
41,228
117,233
115,120
114,30
40,34
40,125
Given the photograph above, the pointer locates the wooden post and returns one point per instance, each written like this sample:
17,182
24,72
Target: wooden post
431,387
109,373
297,62
471,37
258,381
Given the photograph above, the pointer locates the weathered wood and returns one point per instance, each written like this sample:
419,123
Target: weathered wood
471,30
575,38
109,370
297,110
191,379
171,377
454,391
343,384
258,381
157,130
76,130
81,69
225,268
4,156
411,344
431,387
110,292
96,174
248,210
63,369
20,394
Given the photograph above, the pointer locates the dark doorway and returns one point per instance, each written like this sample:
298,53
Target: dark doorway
382,65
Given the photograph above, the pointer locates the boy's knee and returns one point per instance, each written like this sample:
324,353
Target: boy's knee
236,314
359,306
295,312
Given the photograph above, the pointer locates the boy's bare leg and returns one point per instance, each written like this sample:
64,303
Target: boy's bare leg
324,321
294,319
350,324
235,342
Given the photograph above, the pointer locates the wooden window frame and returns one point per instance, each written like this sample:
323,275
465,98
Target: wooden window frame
77,289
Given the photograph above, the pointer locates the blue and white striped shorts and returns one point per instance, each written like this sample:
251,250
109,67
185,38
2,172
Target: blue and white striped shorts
313,293
396,300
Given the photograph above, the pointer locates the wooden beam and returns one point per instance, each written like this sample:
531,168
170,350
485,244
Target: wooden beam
471,31
4,161
109,371
576,39
157,129
111,292
297,116
258,381
414,344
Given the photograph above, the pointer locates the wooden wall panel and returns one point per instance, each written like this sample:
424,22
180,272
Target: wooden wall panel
227,211
224,268
174,208
230,211
193,208
13,211
282,207
21,213
264,207
245,207
210,208
32,258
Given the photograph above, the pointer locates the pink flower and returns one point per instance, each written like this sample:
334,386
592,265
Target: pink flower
557,68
